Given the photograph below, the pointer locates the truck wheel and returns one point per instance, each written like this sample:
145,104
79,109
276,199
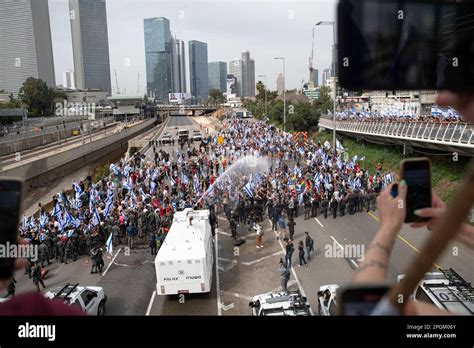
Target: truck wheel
101,309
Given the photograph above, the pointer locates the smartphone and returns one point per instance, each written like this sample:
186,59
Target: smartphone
405,45
417,174
10,201
359,299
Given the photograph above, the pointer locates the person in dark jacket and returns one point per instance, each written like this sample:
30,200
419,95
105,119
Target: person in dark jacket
301,254
309,243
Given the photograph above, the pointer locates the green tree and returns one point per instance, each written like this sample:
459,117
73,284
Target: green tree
275,111
324,102
260,91
37,96
216,96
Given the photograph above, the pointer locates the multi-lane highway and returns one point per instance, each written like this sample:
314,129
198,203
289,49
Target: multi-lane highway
242,272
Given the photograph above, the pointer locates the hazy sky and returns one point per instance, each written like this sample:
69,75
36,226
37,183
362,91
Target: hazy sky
266,28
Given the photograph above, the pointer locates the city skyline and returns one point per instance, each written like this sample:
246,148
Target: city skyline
25,44
125,22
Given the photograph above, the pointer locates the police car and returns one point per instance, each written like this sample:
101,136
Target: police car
91,299
280,304
327,304
446,290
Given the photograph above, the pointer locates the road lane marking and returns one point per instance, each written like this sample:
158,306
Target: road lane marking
111,262
404,240
235,294
150,304
293,271
224,233
335,241
355,264
320,224
250,263
222,218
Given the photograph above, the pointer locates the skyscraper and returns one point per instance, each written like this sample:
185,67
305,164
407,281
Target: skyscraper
280,82
326,76
178,67
198,69
248,77
68,79
25,43
218,76
237,70
158,56
90,44
251,79
316,78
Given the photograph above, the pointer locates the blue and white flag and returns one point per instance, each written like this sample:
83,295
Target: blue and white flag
327,145
108,205
109,245
388,178
127,185
43,220
248,189
171,181
76,188
32,222
142,193
56,209
95,218
152,187
355,158
184,178
339,145
196,185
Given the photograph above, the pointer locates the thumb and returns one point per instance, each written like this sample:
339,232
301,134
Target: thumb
429,212
402,190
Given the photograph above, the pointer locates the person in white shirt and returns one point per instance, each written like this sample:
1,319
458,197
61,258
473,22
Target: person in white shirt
259,230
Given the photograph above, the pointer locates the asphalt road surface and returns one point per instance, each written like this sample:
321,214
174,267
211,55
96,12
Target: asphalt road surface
129,279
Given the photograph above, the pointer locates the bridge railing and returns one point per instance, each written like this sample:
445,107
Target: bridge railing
448,133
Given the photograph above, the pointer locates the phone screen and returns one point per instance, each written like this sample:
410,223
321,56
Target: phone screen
361,301
400,45
418,178
10,196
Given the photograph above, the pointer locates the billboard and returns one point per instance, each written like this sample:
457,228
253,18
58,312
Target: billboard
178,98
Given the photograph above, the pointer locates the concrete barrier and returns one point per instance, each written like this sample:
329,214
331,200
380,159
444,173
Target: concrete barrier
42,170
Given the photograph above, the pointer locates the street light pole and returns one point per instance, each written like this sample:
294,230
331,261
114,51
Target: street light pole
284,93
333,24
265,77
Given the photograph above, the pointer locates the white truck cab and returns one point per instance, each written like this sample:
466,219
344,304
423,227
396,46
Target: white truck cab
184,264
91,299
280,304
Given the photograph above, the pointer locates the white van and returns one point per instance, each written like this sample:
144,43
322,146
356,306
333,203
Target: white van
185,261
183,134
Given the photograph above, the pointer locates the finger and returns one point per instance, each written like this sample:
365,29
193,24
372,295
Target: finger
430,212
402,190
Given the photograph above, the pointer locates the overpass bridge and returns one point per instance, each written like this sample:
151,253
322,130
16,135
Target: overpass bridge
441,137
186,110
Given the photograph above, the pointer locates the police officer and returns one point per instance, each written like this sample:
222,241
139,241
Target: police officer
307,209
291,227
325,206
43,255
333,207
37,276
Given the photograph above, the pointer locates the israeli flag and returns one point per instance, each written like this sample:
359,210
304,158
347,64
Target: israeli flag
196,185
173,205
127,185
171,181
56,209
388,178
339,164
301,150
32,222
339,145
184,178
76,188
43,220
355,158
300,198
108,245
140,190
327,145
77,203
317,177
95,218
108,205
248,189
152,187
